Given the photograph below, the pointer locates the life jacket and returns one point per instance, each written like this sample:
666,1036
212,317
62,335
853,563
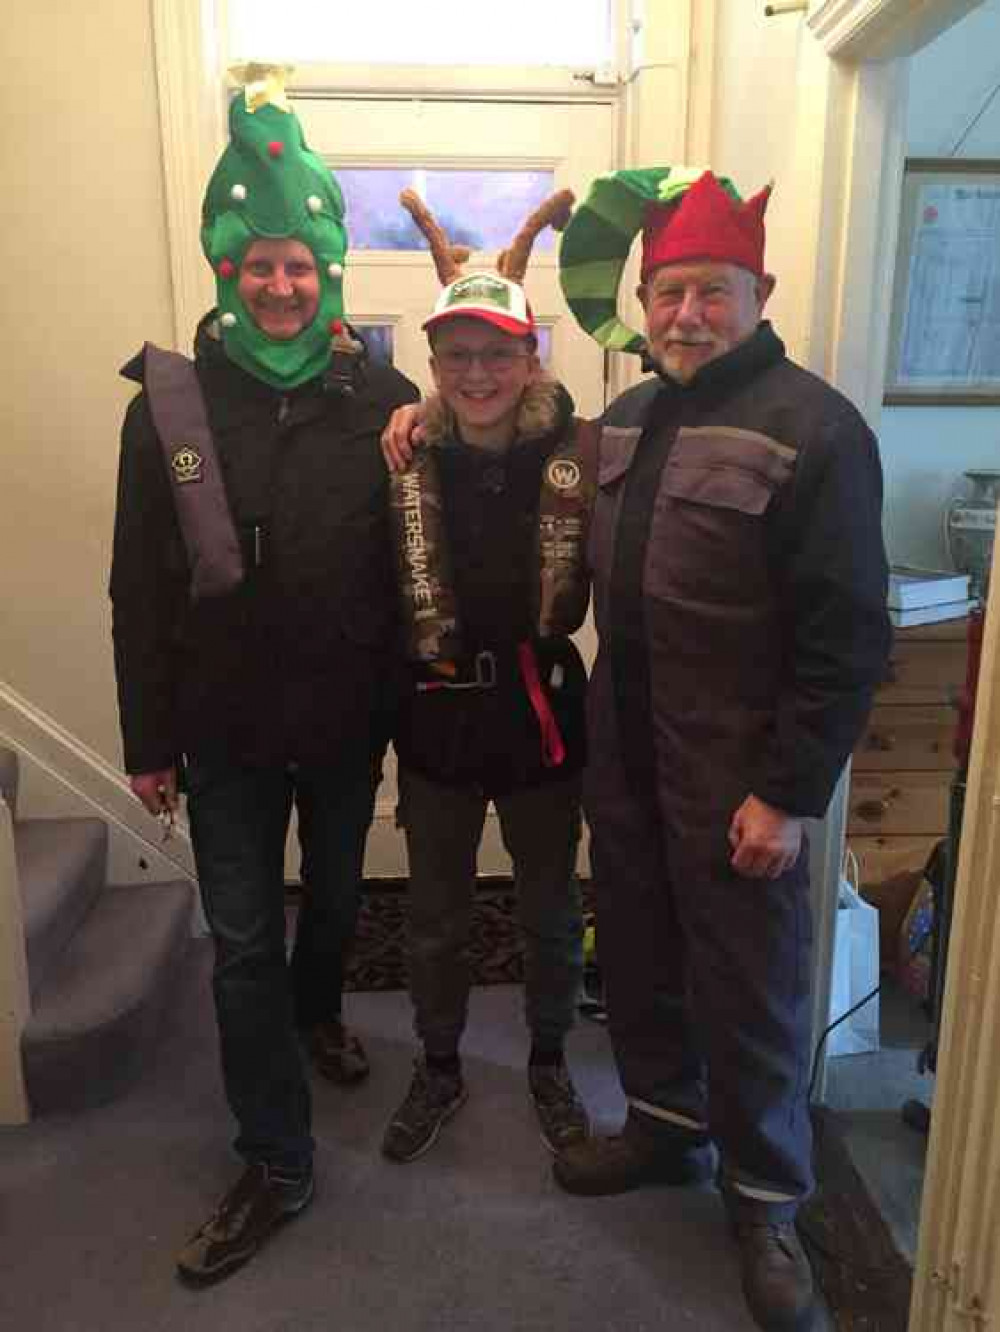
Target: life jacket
565,506
428,601
561,583
177,405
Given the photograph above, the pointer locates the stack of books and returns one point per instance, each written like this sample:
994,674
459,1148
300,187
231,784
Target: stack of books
926,596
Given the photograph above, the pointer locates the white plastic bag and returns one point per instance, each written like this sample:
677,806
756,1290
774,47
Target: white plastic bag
855,970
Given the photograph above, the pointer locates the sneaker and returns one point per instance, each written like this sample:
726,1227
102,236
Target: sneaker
561,1115
337,1053
777,1279
263,1199
432,1099
596,1167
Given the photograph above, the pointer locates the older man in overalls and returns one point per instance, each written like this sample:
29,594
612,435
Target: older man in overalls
739,585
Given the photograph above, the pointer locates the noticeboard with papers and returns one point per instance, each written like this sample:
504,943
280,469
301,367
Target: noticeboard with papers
944,339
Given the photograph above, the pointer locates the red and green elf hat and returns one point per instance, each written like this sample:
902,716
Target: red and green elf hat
268,184
684,213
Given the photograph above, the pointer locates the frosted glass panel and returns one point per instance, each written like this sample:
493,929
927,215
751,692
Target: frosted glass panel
571,33
481,209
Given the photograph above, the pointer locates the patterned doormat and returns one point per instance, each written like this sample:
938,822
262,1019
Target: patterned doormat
379,958
496,956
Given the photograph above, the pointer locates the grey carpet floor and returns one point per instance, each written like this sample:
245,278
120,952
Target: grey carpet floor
473,1237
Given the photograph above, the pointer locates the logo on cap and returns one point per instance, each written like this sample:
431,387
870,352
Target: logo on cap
479,287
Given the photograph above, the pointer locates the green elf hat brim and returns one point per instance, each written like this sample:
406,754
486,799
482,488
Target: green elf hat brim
596,244
269,184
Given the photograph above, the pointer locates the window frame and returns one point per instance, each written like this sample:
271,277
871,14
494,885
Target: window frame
318,77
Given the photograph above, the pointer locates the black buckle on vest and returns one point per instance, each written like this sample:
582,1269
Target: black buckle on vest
484,676
486,670
341,376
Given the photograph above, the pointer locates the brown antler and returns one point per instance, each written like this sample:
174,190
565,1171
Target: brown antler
554,212
448,258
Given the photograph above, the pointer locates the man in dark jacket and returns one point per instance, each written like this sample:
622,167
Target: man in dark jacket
739,590
254,635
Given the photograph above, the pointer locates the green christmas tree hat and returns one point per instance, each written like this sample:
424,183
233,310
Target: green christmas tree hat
268,184
595,246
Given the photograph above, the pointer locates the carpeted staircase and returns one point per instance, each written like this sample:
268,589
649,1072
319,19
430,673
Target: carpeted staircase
101,959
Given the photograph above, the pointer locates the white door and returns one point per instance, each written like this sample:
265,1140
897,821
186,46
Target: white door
482,167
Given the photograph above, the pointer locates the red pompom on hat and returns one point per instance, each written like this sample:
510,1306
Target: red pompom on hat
705,223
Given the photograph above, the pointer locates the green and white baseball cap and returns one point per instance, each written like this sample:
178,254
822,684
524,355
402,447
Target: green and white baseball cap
488,297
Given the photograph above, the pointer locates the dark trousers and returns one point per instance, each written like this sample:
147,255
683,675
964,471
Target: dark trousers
239,821
540,827
707,977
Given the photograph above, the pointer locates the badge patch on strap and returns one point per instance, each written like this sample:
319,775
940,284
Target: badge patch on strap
187,464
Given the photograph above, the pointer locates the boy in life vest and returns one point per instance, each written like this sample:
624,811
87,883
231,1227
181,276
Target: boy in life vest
503,720
254,634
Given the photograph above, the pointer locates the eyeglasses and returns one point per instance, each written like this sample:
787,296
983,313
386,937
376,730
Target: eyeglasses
458,360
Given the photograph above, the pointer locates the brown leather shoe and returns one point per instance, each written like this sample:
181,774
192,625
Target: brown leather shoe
597,1167
777,1279
263,1198
337,1053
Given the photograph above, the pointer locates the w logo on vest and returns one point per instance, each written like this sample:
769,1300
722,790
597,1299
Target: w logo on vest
562,474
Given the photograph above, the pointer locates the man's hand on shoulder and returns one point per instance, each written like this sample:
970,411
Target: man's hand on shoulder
765,840
402,436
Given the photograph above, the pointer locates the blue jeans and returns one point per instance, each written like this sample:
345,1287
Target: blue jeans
239,821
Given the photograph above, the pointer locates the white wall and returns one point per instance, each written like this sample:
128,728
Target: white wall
85,281
753,128
926,449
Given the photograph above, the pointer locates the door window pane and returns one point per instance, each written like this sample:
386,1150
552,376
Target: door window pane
574,33
481,209
378,339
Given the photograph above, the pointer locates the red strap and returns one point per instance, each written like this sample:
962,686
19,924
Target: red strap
553,749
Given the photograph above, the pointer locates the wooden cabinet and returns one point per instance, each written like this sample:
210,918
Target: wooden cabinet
902,769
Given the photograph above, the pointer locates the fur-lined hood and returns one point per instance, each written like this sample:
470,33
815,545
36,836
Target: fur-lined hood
543,408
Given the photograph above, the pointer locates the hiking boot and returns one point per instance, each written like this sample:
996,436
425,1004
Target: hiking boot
264,1198
561,1116
337,1053
599,1166
432,1099
777,1279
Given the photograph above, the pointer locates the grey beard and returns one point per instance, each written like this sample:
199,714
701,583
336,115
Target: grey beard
675,376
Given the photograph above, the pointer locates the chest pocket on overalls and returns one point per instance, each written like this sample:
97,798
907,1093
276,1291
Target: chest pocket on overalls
615,453
708,537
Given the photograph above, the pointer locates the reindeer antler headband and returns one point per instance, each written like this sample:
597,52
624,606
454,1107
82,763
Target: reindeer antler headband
498,298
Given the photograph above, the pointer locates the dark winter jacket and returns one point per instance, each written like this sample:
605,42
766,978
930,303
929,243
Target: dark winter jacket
490,738
739,587
297,663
